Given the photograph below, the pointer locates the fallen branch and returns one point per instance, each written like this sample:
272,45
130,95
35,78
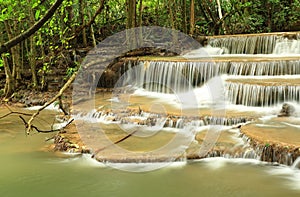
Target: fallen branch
44,131
61,107
29,126
14,112
121,140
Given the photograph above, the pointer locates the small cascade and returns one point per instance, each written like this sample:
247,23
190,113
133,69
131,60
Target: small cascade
241,150
150,119
245,44
272,68
261,95
286,46
170,77
296,163
258,44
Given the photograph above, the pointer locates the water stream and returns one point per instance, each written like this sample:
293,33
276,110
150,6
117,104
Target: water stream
28,171
179,97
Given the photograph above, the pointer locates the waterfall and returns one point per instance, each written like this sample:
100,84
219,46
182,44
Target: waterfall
245,44
258,44
296,163
170,77
282,67
287,46
260,95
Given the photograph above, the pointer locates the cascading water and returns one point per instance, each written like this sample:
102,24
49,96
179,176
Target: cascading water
286,46
242,87
257,68
197,73
261,95
257,44
245,44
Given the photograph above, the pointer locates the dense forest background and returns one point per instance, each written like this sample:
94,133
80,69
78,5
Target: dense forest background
54,50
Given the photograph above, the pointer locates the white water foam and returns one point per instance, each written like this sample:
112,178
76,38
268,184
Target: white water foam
52,106
219,162
206,51
145,167
79,159
269,126
114,99
246,77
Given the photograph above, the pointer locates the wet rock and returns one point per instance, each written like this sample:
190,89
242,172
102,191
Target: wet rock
287,110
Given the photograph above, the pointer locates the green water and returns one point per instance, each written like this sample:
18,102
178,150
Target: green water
27,171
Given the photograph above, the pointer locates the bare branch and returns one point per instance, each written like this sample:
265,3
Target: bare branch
121,140
14,112
79,29
61,91
44,131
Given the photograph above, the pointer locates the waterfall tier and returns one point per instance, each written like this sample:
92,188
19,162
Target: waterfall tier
176,76
256,43
262,92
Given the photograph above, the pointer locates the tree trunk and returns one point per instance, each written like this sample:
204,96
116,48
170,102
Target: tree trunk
131,14
15,55
219,9
184,21
32,62
131,23
9,83
192,17
92,32
82,22
140,22
32,53
170,4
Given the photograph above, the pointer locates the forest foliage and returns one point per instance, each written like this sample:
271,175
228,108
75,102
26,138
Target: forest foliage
79,25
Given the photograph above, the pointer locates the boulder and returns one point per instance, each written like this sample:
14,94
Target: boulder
287,110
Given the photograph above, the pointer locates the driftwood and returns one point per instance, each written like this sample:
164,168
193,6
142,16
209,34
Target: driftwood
121,140
29,126
44,131
32,126
14,112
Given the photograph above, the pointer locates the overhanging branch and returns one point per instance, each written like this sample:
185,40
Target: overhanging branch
26,34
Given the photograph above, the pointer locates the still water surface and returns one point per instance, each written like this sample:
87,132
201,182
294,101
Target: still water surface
28,171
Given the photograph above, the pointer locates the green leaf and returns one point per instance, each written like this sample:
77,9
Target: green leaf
4,10
37,14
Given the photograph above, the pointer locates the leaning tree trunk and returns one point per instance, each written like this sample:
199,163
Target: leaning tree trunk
26,34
